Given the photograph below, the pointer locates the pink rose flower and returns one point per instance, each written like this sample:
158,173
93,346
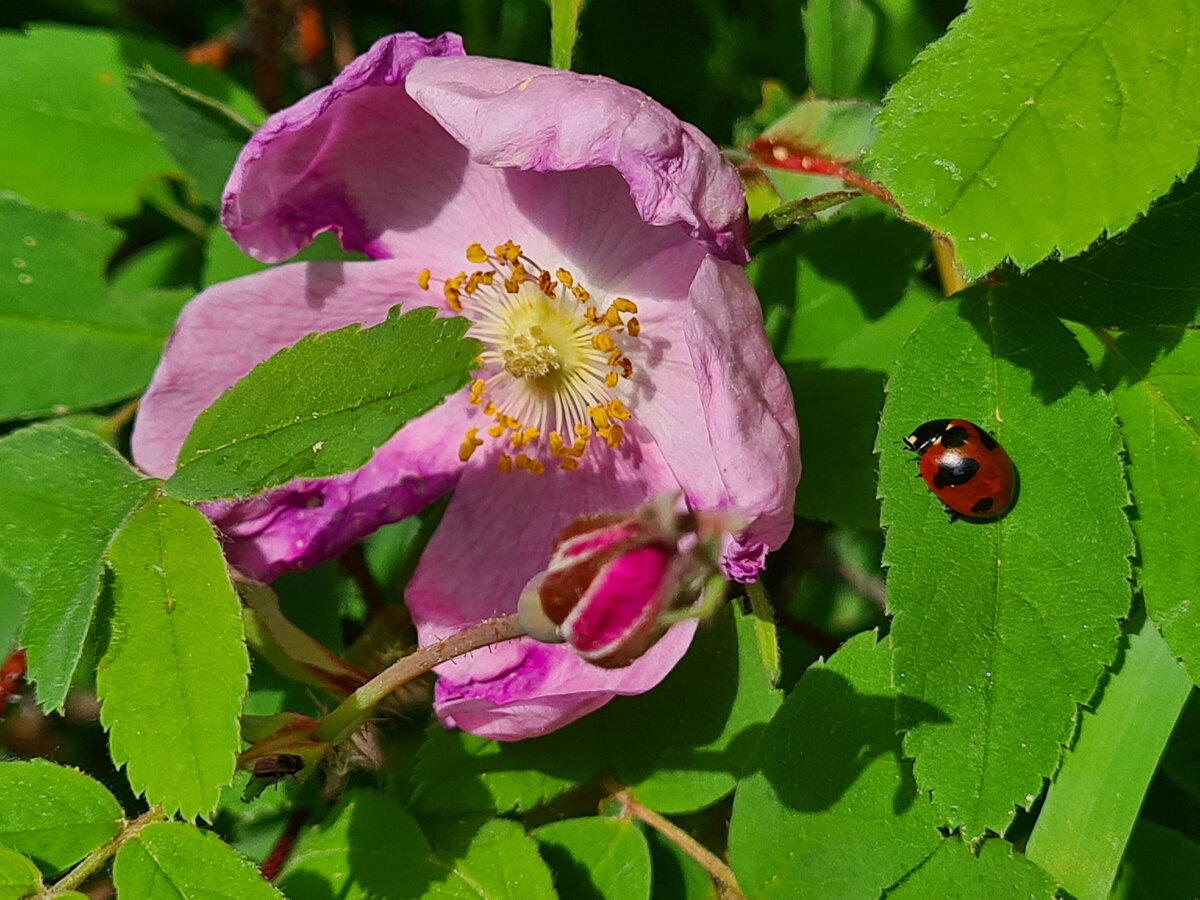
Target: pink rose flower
628,359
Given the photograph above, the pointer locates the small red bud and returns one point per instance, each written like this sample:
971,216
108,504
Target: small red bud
616,582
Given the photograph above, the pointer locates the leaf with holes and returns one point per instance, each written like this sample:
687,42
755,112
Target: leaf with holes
1030,127
173,675
1005,626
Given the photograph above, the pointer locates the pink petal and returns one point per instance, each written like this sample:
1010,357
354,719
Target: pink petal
523,116
357,156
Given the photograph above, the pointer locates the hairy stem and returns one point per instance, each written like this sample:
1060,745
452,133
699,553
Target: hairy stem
711,864
349,716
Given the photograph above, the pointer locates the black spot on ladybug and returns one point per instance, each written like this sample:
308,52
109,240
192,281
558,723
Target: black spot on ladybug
954,470
982,506
955,436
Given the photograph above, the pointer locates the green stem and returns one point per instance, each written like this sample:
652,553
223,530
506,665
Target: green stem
564,30
766,636
349,716
1091,807
676,835
97,858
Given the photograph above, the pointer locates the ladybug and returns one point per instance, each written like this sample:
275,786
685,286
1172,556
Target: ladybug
965,468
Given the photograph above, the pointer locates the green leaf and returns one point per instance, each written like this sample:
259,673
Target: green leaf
174,860
72,138
55,306
493,858
1159,863
173,676
203,135
1003,626
1091,807
1159,412
63,495
597,857
18,876
368,846
1146,277
322,406
839,36
834,780
1031,128
53,814
701,729
954,872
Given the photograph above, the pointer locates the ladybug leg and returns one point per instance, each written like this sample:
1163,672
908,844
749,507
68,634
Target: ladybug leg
954,517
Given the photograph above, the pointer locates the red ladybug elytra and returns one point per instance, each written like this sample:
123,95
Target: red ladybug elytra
965,468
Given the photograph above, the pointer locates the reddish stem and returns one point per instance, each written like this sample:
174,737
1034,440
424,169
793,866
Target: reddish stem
273,864
780,156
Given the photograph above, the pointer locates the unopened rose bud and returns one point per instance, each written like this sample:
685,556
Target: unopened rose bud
616,582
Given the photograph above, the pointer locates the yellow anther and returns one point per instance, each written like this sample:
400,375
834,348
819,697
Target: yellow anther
530,434
612,318
477,390
487,278
603,342
423,279
569,464
476,254
509,252
505,462
490,409
580,294
497,430
599,417
611,379
615,434
626,367
625,305
468,445
592,317
565,277
546,284
617,409
634,327
582,430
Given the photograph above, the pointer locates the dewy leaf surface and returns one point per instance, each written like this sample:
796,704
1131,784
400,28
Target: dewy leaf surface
55,306
829,790
1003,626
322,406
53,814
173,677
63,495
1033,127
1160,422
177,861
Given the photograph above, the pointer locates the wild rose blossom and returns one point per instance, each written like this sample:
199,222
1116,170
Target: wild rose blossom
596,243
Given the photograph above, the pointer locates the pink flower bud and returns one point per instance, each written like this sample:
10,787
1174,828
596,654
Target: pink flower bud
616,582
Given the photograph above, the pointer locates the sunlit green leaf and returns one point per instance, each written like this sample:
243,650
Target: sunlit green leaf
173,860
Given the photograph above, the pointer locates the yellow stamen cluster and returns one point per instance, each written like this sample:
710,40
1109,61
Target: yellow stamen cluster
555,357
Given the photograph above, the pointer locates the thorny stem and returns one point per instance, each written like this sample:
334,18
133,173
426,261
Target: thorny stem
346,719
676,835
94,860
